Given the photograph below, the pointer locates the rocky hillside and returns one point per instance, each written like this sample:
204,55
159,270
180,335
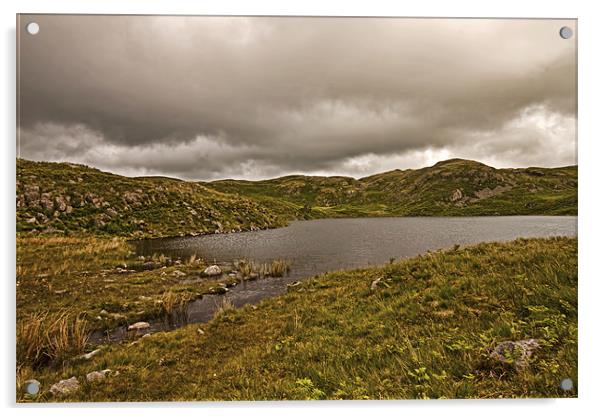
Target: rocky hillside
64,198
453,187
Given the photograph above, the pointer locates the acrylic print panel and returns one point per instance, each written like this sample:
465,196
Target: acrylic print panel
287,208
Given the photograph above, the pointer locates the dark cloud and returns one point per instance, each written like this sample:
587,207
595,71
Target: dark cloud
209,97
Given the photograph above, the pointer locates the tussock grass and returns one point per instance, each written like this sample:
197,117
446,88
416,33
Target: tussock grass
425,332
275,268
224,305
174,307
45,338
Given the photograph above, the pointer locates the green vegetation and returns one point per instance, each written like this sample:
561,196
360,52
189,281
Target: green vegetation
102,282
66,198
74,199
419,328
454,187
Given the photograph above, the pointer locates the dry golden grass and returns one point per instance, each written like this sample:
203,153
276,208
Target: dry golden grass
276,268
174,307
44,338
58,255
224,306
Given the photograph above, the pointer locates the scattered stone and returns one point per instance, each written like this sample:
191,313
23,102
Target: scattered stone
456,195
213,271
515,353
60,292
68,386
138,325
32,386
91,354
178,273
97,375
149,265
220,290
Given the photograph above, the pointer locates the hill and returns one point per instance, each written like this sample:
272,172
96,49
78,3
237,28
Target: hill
63,197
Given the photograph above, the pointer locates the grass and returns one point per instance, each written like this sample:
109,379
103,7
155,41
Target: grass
252,269
426,331
103,281
48,339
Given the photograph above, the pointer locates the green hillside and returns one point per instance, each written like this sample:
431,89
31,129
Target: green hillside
454,187
63,197
66,198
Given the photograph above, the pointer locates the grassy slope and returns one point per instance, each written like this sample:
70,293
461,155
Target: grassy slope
424,192
72,198
424,332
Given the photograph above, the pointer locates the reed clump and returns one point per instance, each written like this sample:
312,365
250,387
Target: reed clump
44,338
174,307
275,268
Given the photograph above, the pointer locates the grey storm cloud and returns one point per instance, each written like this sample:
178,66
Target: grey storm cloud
215,97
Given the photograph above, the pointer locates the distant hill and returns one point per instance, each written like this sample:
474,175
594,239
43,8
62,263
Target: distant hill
455,187
63,197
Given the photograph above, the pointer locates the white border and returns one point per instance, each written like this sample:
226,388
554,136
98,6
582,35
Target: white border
590,136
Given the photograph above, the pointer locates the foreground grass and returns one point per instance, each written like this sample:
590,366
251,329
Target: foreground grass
424,332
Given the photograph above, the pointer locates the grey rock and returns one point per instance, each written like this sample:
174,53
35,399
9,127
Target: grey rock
97,375
515,353
68,386
375,284
138,325
456,195
213,271
91,354
220,290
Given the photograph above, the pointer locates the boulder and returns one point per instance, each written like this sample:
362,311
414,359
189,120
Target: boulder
213,271
515,353
374,284
68,386
456,195
220,290
138,325
46,201
97,375
91,354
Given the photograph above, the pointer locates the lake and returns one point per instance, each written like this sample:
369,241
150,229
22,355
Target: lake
318,246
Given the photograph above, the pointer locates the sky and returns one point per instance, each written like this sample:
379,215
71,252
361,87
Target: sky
205,98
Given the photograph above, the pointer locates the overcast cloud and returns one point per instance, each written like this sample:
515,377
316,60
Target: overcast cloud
216,97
